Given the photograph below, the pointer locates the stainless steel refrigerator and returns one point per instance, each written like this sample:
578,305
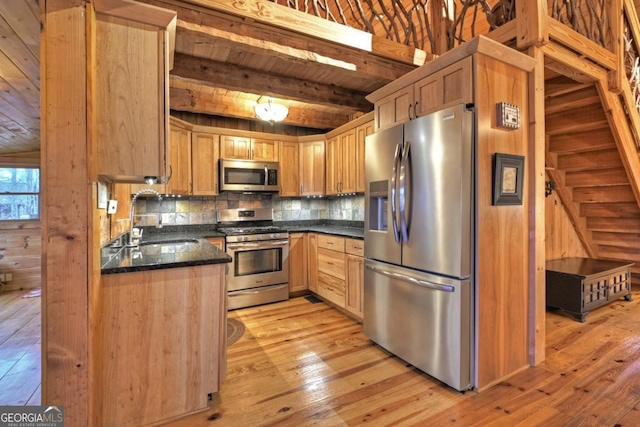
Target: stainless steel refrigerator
419,240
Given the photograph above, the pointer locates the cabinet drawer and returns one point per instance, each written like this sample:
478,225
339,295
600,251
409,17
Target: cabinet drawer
354,247
331,242
332,263
331,288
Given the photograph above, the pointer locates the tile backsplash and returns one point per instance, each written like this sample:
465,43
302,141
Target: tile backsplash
201,210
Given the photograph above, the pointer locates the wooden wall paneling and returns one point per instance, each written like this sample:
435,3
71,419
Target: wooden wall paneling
20,248
536,154
66,212
503,231
561,238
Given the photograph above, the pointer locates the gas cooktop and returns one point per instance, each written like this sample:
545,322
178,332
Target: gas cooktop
235,231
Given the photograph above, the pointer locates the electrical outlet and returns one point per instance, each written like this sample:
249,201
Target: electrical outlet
8,277
2,277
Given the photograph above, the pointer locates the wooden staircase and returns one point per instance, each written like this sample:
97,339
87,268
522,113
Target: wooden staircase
583,160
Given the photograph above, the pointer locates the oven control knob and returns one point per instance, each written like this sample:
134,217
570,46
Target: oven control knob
259,237
245,238
272,236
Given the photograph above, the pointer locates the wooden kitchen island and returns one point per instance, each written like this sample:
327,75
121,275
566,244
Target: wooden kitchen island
163,329
579,285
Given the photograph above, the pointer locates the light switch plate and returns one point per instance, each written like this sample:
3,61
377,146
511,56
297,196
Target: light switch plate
102,195
112,206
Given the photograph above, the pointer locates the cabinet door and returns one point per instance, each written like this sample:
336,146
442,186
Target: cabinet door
355,285
235,147
395,108
450,86
218,242
204,161
264,150
348,168
131,99
297,262
312,168
362,132
312,264
179,161
333,165
289,170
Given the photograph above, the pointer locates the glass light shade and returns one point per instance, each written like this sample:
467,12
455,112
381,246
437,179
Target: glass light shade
270,112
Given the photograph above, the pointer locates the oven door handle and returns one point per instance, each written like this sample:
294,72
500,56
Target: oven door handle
278,243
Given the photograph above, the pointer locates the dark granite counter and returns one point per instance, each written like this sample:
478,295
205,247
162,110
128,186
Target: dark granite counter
171,248
352,229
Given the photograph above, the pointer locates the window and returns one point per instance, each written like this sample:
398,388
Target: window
19,193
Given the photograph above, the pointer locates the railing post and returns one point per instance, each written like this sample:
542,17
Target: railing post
531,23
615,42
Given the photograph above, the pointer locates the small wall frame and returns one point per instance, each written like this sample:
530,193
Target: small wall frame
508,179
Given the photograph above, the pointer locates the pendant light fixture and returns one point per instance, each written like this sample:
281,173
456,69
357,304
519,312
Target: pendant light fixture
271,112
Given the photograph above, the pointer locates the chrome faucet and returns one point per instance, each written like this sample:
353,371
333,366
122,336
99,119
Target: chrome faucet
132,207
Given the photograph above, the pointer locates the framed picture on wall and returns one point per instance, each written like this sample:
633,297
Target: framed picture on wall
508,178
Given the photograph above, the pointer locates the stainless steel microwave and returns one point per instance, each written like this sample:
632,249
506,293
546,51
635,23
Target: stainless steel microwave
248,175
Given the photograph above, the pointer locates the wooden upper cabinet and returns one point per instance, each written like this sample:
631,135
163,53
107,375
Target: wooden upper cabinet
235,147
341,163
205,154
444,88
130,112
312,170
265,150
348,166
179,161
362,132
450,86
246,148
289,170
394,108
333,165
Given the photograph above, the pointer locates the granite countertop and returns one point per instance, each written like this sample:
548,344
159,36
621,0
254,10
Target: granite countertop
160,250
186,246
352,232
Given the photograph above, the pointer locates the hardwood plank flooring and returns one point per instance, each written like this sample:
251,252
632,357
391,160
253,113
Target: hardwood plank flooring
20,349
304,364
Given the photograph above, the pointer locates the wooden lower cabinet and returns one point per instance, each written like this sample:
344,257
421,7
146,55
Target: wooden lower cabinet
163,343
312,257
298,279
354,298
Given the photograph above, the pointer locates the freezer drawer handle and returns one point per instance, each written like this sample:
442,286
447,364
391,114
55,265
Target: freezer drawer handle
413,280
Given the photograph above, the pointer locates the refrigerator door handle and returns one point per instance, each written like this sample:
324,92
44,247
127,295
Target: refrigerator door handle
394,208
405,192
423,283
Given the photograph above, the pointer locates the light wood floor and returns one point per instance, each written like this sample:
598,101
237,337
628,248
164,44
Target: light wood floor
19,349
302,364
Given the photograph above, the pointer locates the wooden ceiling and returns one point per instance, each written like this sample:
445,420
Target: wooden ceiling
226,61
19,76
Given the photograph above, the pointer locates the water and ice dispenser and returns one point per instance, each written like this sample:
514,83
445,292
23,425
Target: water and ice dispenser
378,205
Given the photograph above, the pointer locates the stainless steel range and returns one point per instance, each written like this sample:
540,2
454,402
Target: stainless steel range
259,272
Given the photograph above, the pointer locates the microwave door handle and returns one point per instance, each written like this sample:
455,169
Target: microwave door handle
266,175
405,192
394,210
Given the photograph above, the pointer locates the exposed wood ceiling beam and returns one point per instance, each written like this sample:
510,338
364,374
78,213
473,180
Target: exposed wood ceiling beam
213,31
233,77
272,14
196,101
